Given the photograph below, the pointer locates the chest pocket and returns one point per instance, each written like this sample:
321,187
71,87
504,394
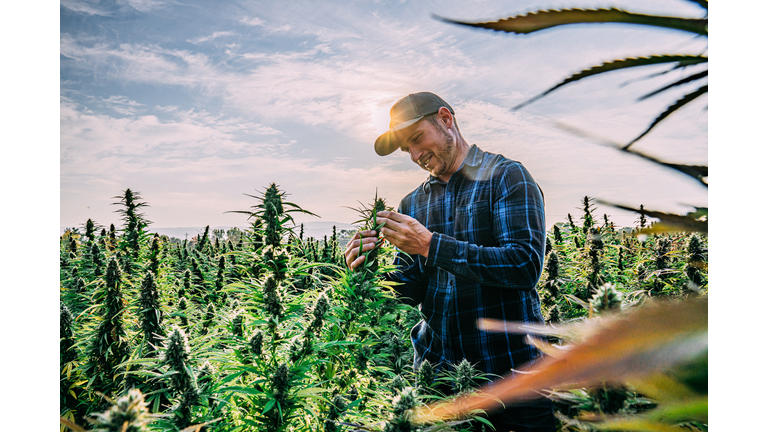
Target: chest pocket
474,223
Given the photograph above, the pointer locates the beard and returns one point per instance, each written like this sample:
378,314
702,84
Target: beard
443,156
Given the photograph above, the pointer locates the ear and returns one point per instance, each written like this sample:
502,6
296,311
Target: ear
445,115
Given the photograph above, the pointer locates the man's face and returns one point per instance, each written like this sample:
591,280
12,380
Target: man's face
431,147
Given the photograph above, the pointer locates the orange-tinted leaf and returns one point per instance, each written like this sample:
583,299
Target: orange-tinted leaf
71,425
656,335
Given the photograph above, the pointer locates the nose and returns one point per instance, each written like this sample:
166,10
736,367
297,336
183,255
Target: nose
415,154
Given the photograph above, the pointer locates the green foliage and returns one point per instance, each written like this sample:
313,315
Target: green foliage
315,346
182,381
134,233
66,335
109,345
128,413
150,313
369,222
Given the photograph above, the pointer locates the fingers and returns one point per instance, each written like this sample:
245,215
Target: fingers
352,253
390,235
406,233
394,216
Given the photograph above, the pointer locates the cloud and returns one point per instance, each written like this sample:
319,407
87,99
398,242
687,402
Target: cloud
142,63
145,5
196,156
122,105
90,7
252,21
336,84
88,139
215,35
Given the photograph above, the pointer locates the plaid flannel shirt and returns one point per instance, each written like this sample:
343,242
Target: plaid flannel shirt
485,259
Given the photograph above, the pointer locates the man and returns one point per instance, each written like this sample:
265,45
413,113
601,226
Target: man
474,235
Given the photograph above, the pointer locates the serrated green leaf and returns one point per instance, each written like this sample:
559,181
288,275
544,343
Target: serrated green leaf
615,65
672,108
544,19
690,78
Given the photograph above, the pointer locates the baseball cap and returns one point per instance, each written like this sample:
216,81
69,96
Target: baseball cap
405,112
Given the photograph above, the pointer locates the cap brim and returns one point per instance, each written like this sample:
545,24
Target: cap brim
387,143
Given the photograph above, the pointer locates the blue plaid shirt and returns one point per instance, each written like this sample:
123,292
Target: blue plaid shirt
484,261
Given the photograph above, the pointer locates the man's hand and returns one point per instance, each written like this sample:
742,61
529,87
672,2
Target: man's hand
405,232
353,248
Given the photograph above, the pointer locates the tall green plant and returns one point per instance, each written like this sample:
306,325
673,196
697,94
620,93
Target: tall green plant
183,382
150,314
109,345
134,228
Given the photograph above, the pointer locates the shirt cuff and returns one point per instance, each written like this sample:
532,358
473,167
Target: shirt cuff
442,249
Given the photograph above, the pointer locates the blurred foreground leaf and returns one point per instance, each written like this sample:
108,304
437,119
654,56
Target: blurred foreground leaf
669,222
630,346
698,172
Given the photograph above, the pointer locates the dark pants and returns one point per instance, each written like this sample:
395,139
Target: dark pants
531,416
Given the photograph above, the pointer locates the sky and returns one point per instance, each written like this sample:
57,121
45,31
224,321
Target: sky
194,105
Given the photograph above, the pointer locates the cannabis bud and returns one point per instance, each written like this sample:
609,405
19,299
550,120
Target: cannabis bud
607,297
128,414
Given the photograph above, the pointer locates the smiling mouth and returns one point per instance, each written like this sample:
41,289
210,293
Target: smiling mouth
426,162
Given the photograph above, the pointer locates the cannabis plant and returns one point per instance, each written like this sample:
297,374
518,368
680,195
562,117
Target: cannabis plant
134,231
272,214
182,381
425,376
369,222
336,409
606,298
154,255
402,404
109,345
319,311
128,413
66,335
97,260
150,314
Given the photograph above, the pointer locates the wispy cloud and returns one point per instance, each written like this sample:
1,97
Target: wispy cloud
122,105
144,5
335,89
195,154
252,21
90,7
215,35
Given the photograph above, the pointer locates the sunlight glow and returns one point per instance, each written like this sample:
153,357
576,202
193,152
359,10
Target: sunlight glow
380,118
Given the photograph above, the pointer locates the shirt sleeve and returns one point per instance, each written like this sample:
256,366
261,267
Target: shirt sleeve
519,228
411,280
